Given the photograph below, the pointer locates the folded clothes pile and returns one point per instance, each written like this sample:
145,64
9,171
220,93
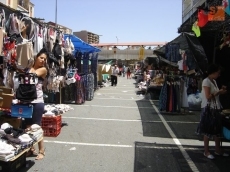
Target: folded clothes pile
13,141
56,109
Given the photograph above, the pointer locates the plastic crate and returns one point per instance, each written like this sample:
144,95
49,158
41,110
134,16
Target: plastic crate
13,166
51,125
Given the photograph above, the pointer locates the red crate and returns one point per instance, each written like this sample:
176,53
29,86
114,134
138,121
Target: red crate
51,125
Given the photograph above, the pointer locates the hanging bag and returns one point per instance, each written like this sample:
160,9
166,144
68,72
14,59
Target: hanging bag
22,110
27,87
211,120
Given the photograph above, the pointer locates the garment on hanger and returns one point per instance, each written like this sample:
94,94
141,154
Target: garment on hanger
24,54
1,39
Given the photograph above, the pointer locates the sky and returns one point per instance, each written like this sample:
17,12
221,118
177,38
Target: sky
128,20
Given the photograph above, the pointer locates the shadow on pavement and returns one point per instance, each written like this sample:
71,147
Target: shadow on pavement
150,157
28,165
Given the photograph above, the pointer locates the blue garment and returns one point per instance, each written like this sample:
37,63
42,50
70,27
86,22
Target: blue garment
163,97
190,62
172,52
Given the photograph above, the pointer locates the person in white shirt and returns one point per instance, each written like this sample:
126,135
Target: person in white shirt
210,91
114,74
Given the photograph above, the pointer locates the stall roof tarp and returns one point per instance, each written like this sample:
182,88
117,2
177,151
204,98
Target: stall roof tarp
188,42
81,45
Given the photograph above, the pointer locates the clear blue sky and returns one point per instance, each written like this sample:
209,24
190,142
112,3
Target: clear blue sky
129,20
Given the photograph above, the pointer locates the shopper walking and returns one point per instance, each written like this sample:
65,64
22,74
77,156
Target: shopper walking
128,73
115,72
210,93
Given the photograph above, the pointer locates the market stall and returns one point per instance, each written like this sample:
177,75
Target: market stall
182,83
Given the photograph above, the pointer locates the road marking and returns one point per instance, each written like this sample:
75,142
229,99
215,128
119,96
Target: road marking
89,144
127,107
176,140
118,93
125,120
162,147
117,90
113,98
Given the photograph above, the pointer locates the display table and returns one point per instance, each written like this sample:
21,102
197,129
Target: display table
25,150
16,162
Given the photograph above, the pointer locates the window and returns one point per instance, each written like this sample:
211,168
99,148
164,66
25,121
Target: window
9,2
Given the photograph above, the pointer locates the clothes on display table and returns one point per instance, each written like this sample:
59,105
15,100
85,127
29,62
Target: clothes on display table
13,141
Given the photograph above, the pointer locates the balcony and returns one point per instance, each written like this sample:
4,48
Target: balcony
24,4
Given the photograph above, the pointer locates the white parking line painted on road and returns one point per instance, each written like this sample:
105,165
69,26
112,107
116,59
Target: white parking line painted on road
113,98
125,120
176,140
159,147
117,93
115,90
89,144
127,107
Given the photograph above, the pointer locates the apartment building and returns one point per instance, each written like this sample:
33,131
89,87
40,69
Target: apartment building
88,37
25,6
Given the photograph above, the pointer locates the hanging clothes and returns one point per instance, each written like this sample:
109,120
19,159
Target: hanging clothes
169,99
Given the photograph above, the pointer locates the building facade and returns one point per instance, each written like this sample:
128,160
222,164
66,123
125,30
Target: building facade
88,37
25,6
189,7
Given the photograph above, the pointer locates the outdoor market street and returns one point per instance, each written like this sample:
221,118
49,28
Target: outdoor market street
119,131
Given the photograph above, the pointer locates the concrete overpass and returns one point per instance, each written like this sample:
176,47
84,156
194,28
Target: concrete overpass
129,44
130,53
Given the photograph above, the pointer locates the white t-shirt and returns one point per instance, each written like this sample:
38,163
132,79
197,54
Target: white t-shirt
180,64
115,71
213,89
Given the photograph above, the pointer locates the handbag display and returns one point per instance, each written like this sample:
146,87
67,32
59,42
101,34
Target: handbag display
211,121
27,87
22,110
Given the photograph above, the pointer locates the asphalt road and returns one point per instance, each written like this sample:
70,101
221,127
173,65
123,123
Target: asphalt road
119,131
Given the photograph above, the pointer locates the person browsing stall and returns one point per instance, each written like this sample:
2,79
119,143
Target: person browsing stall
38,68
210,92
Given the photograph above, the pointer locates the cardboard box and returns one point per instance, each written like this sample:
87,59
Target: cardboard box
5,90
15,122
6,100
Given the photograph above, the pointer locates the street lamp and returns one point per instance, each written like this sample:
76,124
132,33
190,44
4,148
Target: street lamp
56,14
117,40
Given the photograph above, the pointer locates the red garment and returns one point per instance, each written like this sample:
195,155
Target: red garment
202,18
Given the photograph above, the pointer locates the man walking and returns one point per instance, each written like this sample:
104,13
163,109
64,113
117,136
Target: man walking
114,74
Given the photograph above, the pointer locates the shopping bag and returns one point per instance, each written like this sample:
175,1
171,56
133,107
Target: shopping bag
211,120
26,92
22,110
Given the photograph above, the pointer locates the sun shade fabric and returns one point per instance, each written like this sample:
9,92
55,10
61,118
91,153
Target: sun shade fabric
80,45
192,43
